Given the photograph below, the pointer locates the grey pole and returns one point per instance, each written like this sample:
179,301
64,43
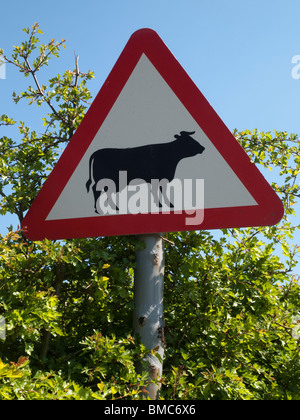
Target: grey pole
148,321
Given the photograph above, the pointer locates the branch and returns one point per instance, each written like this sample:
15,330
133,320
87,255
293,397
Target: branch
15,64
77,69
44,57
3,195
59,140
167,240
41,92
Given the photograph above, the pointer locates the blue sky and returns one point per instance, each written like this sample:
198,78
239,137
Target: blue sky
239,53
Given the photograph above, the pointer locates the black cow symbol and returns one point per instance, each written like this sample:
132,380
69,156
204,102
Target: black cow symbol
150,162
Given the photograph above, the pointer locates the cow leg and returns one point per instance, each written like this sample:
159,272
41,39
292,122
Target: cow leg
96,197
110,200
163,191
97,193
155,194
159,192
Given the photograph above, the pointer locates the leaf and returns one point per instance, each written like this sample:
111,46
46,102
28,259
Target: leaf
185,355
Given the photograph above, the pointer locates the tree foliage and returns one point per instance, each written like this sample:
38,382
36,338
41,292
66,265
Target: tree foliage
231,300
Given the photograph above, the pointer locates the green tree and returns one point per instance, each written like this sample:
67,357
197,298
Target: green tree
231,303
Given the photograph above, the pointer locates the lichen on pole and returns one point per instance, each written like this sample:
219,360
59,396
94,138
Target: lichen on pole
148,319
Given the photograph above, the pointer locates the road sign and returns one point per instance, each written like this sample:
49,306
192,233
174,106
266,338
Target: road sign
150,155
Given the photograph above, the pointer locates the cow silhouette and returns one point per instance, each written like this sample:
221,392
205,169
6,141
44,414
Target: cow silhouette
154,161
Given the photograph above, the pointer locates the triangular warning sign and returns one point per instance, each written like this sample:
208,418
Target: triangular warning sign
151,155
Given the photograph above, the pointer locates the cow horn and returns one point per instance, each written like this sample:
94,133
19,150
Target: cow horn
187,132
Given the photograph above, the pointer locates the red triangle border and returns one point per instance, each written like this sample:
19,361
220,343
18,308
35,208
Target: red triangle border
269,210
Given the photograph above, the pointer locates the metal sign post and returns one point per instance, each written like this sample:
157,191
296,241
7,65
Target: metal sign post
148,320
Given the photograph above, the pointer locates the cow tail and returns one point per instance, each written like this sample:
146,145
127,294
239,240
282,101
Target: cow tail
88,184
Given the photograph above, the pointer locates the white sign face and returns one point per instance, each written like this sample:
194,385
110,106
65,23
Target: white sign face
147,112
150,155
